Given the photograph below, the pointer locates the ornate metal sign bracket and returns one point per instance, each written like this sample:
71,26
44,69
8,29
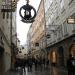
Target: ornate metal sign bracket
27,16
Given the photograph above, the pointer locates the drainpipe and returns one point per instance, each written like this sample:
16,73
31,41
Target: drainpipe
11,37
45,32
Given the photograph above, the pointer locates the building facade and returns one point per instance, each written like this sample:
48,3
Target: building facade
29,36
7,34
38,32
62,33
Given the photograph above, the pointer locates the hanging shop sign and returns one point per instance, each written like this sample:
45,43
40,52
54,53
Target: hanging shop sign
27,13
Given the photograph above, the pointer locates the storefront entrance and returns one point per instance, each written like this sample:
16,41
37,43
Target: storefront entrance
61,56
53,57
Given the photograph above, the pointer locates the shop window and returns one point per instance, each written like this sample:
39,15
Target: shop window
7,15
3,15
54,57
36,44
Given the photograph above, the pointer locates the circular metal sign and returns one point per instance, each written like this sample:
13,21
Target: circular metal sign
27,13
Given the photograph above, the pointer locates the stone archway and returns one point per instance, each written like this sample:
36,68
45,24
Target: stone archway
61,56
53,56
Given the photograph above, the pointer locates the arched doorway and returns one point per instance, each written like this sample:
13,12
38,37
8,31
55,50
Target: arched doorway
61,56
53,57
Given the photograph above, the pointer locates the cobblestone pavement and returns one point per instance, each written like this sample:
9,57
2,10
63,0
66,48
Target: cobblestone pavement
46,71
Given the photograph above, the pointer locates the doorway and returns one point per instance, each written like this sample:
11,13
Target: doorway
61,56
53,57
1,60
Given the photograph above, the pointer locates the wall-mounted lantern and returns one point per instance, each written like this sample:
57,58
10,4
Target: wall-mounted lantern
71,21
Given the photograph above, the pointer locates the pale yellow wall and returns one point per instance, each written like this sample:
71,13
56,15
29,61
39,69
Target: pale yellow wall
38,25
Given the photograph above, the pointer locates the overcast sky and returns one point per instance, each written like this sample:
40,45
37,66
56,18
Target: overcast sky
22,28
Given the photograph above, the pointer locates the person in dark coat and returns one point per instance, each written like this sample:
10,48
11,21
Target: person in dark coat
40,63
30,63
36,64
44,62
70,65
73,63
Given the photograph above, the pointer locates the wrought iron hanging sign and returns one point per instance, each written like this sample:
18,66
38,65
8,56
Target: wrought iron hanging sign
27,13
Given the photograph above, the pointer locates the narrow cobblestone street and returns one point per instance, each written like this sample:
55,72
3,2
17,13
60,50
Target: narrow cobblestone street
46,71
37,37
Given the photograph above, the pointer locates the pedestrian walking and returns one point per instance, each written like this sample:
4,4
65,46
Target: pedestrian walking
36,64
44,62
30,63
40,63
71,65
47,63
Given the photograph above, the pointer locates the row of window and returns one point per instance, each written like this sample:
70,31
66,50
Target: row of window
6,15
54,9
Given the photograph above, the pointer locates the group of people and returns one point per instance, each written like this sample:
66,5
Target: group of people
29,62
42,63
